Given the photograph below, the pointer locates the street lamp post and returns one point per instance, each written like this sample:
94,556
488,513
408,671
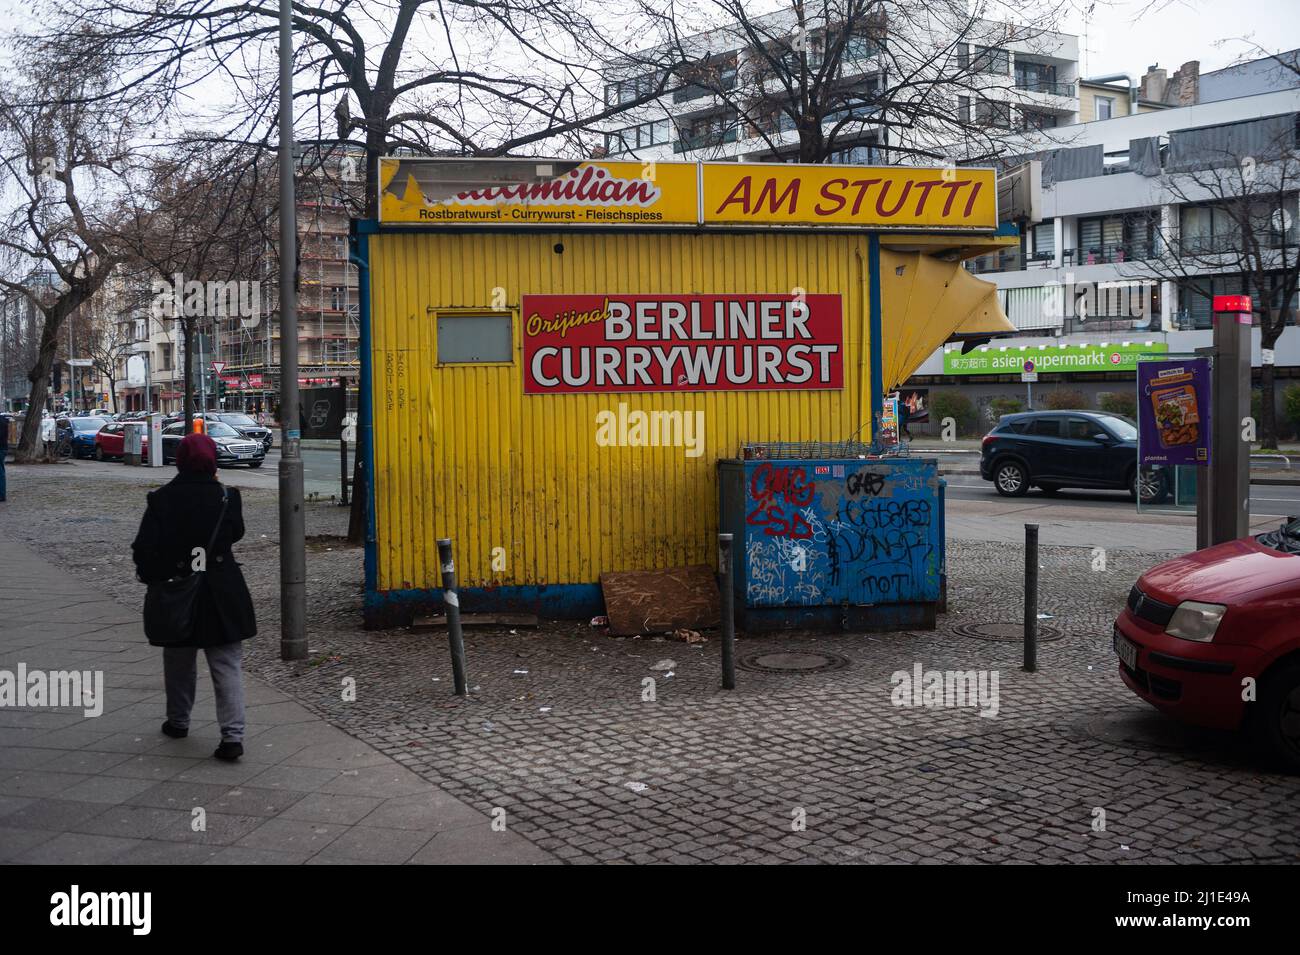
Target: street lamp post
293,551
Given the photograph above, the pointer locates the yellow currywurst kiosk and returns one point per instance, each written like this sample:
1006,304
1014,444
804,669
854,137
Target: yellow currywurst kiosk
555,353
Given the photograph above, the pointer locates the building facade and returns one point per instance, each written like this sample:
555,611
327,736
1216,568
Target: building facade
1129,245
727,101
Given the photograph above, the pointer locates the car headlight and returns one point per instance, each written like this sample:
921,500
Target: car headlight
1195,621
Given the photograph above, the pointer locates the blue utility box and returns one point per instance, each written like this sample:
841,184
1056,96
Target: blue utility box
838,543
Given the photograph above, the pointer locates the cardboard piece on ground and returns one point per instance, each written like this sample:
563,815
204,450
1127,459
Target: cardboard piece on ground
657,601
468,620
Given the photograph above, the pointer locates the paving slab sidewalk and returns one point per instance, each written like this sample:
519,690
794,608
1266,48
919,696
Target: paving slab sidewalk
112,789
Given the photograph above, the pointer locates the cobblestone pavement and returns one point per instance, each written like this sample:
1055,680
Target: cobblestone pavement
558,734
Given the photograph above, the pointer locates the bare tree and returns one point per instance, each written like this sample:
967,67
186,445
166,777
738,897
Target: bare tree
425,76
918,81
55,151
1236,190
109,342
196,223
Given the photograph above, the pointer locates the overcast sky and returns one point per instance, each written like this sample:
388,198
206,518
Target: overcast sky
1207,30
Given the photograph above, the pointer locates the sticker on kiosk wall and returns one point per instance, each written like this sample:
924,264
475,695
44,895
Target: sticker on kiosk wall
616,343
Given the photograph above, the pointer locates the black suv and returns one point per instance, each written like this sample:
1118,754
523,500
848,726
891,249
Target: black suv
1055,449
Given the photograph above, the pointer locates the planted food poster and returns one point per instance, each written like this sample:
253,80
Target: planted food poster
1174,411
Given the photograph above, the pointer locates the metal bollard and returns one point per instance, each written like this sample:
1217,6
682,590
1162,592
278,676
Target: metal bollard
454,637
1031,598
728,612
343,471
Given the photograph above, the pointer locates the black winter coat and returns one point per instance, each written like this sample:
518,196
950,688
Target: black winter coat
179,517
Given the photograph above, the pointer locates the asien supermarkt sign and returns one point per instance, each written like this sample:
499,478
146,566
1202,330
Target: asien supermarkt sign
1010,360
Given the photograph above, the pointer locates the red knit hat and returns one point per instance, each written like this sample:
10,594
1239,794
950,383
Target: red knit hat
197,454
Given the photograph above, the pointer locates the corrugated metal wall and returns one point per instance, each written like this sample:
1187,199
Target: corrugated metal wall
461,452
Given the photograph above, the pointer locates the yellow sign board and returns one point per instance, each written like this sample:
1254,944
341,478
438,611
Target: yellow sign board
551,192
515,192
863,196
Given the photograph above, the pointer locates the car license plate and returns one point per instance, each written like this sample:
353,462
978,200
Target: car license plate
1127,650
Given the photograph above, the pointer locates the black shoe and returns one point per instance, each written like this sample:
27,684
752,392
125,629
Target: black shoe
229,751
175,732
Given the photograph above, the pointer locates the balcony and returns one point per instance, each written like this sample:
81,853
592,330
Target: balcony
720,76
1106,324
705,140
1049,87
1107,254
1010,260
1013,260
1214,244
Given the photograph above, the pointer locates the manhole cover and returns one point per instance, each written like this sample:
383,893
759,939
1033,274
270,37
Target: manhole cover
798,661
1004,632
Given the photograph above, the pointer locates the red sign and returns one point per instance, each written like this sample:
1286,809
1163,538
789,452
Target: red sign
1232,303
611,343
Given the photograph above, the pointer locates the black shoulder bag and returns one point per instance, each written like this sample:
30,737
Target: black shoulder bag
170,606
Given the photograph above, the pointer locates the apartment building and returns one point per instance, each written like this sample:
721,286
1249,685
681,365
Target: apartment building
1110,97
1115,199
328,193
725,102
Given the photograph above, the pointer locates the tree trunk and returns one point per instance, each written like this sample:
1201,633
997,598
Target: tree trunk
1267,407
357,509
112,390
375,144
187,334
29,448
29,445
1267,414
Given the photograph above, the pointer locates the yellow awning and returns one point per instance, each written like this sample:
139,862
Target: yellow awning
926,301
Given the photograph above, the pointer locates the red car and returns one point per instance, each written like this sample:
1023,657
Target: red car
1213,638
110,440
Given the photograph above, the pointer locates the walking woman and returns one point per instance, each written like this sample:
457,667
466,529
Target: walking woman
188,528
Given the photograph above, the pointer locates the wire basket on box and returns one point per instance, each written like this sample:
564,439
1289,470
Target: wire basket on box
850,448
803,450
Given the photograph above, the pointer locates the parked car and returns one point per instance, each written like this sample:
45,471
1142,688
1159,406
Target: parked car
1079,449
232,447
81,433
245,425
110,441
1202,631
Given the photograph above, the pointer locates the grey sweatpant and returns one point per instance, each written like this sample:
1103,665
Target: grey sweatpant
180,673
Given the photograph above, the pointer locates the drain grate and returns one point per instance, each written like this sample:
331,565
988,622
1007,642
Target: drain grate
795,661
1004,632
